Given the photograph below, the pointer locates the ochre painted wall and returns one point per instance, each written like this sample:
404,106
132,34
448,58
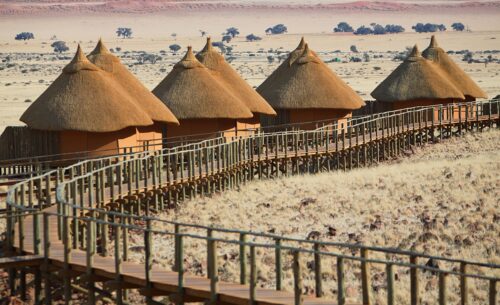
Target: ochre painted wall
200,129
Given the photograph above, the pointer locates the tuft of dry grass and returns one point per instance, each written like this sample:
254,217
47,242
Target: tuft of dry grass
443,200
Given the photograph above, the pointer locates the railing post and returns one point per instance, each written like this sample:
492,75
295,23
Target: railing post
253,275
297,277
243,259
317,270
340,281
67,260
213,268
443,293
90,252
118,264
414,281
365,277
180,268
464,286
390,283
148,260
279,271
46,252
493,292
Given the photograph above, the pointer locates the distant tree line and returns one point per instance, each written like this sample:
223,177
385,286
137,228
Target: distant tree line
428,27
374,28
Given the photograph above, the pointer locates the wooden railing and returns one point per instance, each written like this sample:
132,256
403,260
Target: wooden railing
95,195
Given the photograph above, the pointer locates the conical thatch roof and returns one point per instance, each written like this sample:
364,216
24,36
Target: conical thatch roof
416,78
84,98
158,112
304,81
458,76
232,80
191,92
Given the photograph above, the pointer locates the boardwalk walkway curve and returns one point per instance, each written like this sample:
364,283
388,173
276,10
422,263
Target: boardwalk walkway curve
76,212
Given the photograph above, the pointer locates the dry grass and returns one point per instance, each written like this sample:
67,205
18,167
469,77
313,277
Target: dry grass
443,200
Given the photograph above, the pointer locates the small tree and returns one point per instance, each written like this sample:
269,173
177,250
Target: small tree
277,29
124,32
394,28
25,36
428,27
227,38
220,45
174,47
354,49
366,57
343,27
203,33
252,37
458,26
233,32
59,46
468,57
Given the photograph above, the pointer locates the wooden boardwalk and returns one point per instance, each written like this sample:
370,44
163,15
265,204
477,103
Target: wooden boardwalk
139,185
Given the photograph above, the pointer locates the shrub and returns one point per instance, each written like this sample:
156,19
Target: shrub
458,26
25,36
59,46
343,27
252,37
227,38
394,28
124,32
277,29
174,47
354,49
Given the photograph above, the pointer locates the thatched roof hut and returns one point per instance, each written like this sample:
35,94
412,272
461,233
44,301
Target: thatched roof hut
416,78
458,76
157,110
232,80
305,82
84,98
192,92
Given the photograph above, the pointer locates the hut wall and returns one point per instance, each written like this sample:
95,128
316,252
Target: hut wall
23,142
200,129
243,126
150,137
306,118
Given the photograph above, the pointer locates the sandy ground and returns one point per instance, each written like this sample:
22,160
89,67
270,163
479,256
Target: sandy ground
443,200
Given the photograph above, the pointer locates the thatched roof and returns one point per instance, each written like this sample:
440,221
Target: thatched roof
84,98
158,112
305,82
463,82
416,78
192,92
232,80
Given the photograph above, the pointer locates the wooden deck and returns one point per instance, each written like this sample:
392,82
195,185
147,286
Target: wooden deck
164,282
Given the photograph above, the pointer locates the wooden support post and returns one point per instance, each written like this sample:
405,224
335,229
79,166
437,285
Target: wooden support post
414,287
46,253
340,281
464,286
67,261
148,260
90,252
118,264
279,271
297,278
253,275
37,220
390,283
180,268
443,293
493,292
365,277
213,268
243,259
317,270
